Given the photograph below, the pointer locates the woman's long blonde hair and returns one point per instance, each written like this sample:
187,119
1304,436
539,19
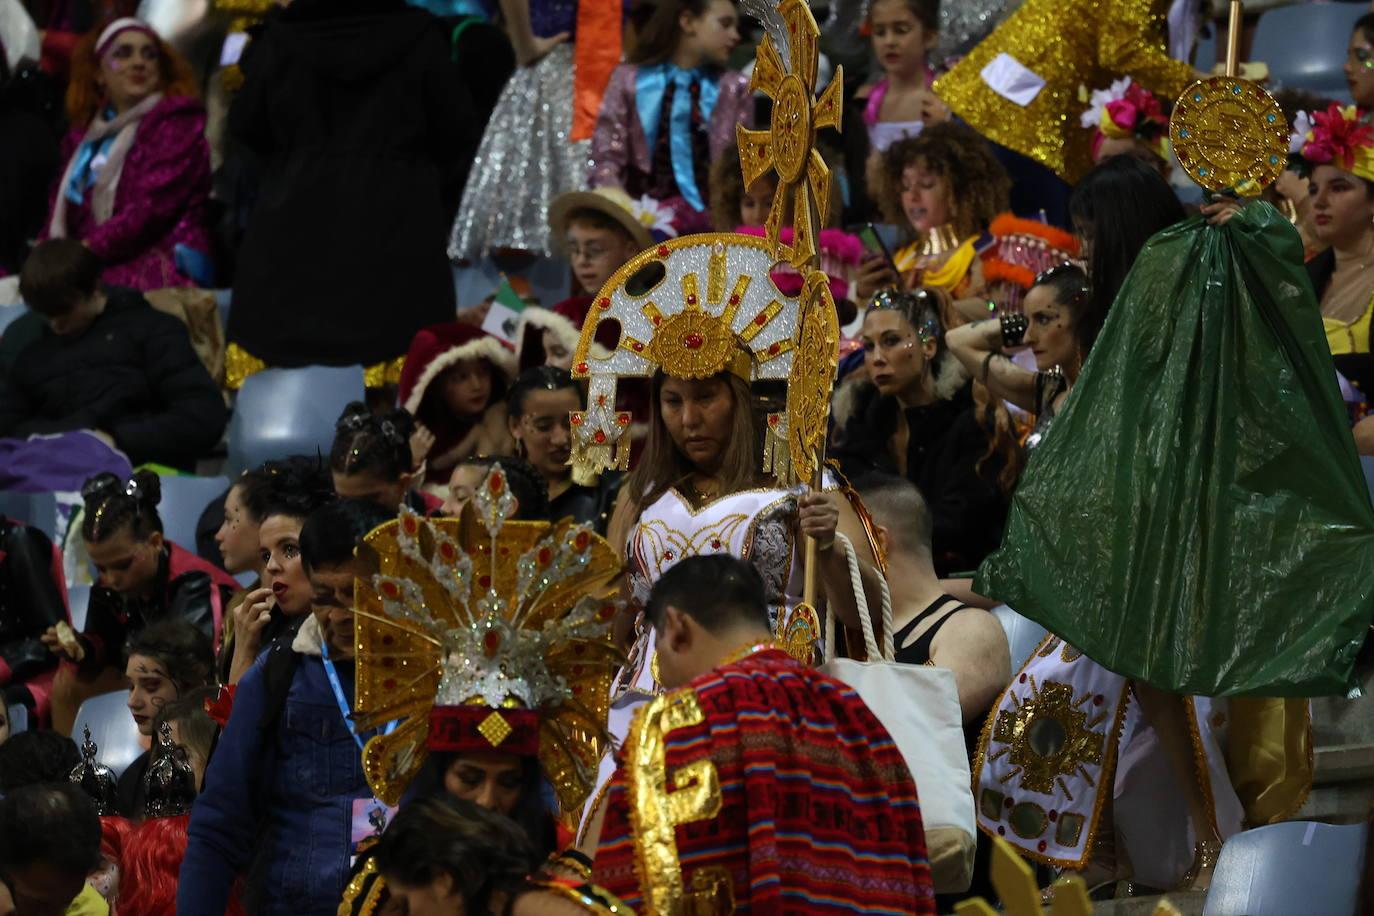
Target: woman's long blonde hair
663,464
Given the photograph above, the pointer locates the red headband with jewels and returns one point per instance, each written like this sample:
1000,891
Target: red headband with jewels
482,729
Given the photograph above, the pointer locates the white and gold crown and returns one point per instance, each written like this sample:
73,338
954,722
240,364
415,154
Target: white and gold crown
485,634
715,308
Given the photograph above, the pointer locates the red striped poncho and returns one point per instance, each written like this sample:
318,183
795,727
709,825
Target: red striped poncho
763,787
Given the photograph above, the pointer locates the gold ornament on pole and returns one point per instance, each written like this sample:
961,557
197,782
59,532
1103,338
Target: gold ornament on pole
1228,133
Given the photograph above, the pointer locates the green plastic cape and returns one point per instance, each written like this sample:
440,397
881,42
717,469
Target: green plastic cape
1197,517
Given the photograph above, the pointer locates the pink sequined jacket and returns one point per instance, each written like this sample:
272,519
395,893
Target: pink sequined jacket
161,200
619,139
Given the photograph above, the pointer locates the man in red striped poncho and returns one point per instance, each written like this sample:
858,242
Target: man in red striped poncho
762,784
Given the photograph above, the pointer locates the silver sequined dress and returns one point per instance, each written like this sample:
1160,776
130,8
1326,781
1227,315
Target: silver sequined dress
525,161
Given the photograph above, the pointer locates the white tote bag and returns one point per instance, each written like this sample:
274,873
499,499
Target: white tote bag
919,707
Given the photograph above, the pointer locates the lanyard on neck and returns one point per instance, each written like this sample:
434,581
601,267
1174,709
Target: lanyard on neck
342,700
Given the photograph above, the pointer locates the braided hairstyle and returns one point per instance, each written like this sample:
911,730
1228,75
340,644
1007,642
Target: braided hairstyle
111,505
365,443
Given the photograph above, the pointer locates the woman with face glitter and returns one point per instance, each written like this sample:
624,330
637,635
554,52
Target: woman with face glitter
135,184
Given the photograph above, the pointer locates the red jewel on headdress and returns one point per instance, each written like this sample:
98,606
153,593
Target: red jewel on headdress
495,483
448,552
545,555
603,303
658,320
637,347
599,437
691,300
663,251
606,613
668,555
761,319
577,690
734,299
773,348
763,151
577,419
491,641
600,400
581,540
774,419
715,543
622,419
693,341
484,580
390,590
582,368
409,525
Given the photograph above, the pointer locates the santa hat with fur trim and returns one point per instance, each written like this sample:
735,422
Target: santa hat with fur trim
442,346
564,321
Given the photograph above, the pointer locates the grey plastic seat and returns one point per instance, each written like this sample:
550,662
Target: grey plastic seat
1304,46
1023,634
10,313
36,509
78,600
19,718
112,729
183,500
282,412
1283,869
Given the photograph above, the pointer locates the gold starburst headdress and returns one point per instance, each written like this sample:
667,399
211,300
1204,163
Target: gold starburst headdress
485,634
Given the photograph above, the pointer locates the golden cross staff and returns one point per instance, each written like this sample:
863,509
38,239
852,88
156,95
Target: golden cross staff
785,71
1228,133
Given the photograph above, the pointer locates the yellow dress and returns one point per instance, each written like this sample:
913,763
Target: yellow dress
1066,44
1345,337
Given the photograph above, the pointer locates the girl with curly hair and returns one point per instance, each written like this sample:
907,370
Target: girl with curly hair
944,188
135,188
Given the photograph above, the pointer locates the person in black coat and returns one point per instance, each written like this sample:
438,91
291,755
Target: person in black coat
30,123
914,416
106,361
365,134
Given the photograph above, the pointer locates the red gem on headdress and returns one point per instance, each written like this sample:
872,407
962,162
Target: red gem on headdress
1099,700
774,419
491,641
663,251
622,419
545,555
606,613
448,551
484,580
1042,846
658,320
1054,816
773,348
603,303
577,419
409,525
715,544
582,540
598,437
600,400
693,341
763,151
637,347
761,319
582,368
504,551
1023,679
577,690
691,300
496,483
734,299
668,555
391,590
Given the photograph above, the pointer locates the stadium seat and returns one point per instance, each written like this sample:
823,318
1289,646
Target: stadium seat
9,314
112,729
1293,867
1304,46
36,509
183,500
283,412
1023,635
1368,464
78,600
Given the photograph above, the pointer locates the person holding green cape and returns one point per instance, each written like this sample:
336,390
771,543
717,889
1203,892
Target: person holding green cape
1194,527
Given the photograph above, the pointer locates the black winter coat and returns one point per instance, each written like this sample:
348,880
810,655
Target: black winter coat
945,448
365,135
132,374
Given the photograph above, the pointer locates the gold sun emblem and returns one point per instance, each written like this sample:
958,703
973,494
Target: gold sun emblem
788,146
1229,134
1050,736
813,373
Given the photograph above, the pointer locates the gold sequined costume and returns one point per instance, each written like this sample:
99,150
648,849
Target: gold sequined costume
1066,44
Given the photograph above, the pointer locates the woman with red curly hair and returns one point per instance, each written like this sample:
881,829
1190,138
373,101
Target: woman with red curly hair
136,181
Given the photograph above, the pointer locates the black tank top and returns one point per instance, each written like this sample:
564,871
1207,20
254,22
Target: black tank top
918,653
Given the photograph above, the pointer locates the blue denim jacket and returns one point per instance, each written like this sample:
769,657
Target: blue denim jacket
281,803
